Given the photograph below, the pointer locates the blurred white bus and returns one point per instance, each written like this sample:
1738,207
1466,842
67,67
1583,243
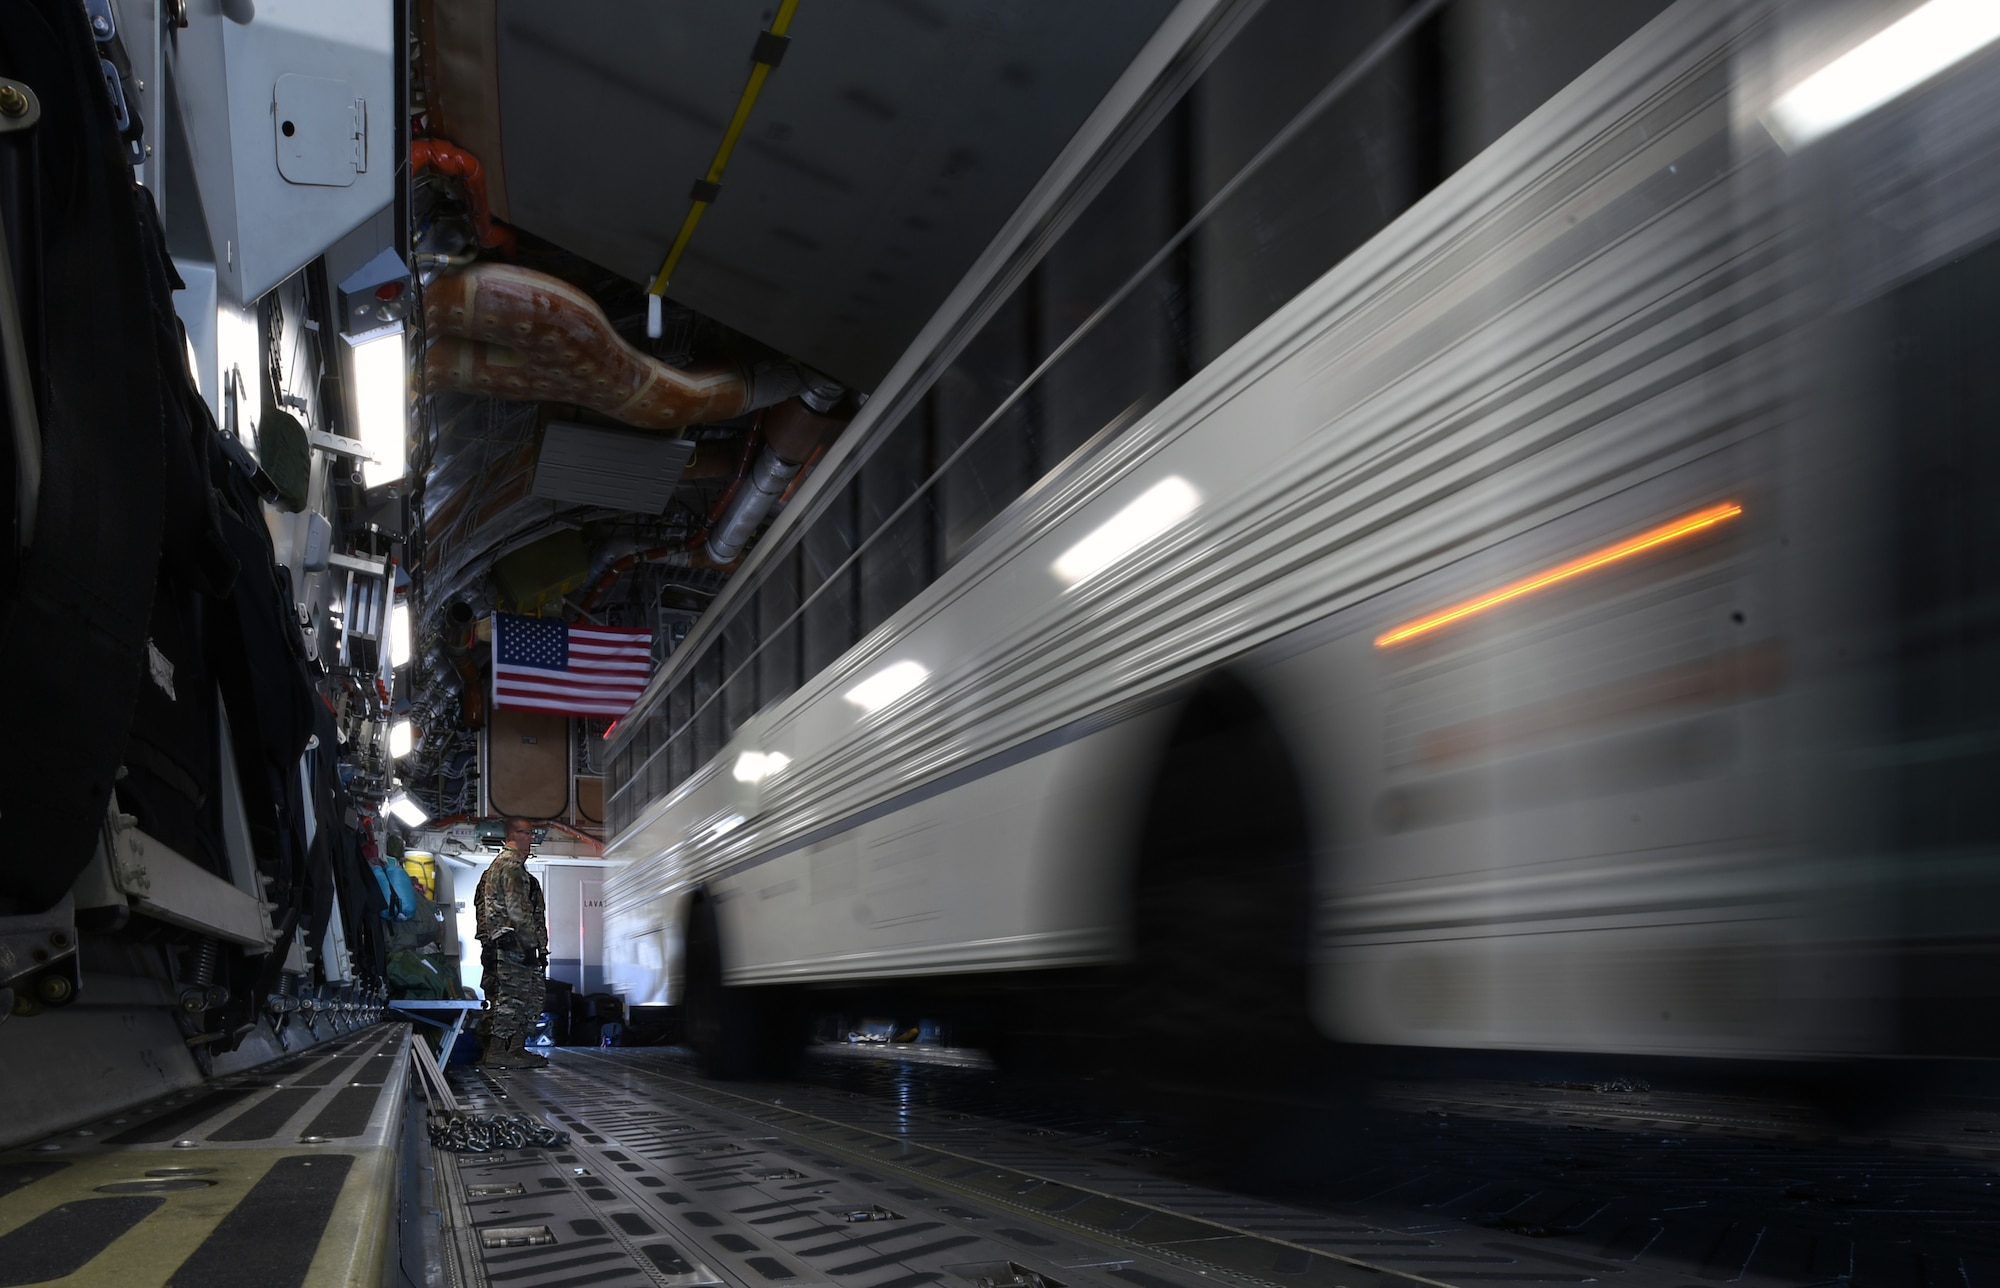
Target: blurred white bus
1458,524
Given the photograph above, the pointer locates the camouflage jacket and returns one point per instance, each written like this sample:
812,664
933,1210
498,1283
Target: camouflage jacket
509,895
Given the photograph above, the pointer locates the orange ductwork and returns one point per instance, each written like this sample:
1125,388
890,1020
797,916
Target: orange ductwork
502,331
675,555
449,158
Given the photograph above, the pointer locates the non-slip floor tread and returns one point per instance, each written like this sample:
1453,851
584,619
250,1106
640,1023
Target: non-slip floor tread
64,1239
262,1120
269,1239
175,1122
347,1114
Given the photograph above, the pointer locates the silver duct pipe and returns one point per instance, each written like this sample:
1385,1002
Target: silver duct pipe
766,483
793,430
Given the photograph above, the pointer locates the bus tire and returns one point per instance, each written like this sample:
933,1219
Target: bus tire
736,1031
1222,906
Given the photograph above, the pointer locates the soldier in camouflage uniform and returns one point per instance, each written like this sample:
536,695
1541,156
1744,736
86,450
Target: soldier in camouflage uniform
514,937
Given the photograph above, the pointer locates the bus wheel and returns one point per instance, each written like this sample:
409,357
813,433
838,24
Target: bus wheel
1222,907
736,1031
1219,1029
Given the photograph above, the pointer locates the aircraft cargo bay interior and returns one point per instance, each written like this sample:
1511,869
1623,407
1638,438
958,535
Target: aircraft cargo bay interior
1000,643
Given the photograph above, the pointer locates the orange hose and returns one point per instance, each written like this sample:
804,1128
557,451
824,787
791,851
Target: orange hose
448,158
587,839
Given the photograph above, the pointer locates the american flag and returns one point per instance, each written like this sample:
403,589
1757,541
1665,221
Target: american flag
565,670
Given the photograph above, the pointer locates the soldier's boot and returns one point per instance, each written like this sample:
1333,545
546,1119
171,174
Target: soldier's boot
529,1059
501,1052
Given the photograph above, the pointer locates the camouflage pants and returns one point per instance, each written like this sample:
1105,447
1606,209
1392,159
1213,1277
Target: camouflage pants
515,989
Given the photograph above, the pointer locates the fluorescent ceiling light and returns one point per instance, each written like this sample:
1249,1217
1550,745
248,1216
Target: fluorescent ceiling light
399,635
756,766
236,349
406,810
886,685
1158,508
382,403
402,739
1900,57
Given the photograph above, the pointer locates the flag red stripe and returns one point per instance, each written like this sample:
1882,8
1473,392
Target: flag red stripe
594,712
563,677
635,647
582,690
591,691
576,703
607,670
588,699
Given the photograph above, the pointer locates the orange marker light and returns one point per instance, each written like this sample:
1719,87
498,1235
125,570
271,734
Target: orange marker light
1674,530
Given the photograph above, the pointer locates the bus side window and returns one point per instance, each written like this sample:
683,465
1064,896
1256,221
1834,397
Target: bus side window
739,668
616,815
679,758
645,738
708,711
649,751
1006,458
777,601
830,616
1137,353
900,558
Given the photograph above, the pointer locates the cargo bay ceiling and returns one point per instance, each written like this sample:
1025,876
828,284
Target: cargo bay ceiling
883,153
556,151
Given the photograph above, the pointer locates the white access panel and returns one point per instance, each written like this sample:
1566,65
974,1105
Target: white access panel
322,131
292,130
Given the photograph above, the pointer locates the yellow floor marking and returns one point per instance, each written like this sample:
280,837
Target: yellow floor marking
150,1252
356,1244
352,1249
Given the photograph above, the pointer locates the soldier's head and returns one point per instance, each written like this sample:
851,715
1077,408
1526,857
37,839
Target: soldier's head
520,834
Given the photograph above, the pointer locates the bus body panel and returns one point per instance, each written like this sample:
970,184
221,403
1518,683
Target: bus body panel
1619,812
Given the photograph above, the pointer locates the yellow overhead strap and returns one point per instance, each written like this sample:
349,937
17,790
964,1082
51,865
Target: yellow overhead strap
770,49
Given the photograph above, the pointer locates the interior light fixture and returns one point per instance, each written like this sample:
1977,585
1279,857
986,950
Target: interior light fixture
886,685
1155,510
402,739
381,403
399,635
756,766
1898,58
236,349
406,810
1672,530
